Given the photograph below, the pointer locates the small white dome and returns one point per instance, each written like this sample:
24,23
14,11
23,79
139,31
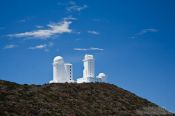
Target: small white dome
101,75
58,58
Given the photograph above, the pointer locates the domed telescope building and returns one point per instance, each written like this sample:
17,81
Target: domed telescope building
63,72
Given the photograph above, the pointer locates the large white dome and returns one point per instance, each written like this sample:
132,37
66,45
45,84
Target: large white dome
58,59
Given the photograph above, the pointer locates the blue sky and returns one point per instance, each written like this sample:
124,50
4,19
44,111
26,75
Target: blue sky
133,42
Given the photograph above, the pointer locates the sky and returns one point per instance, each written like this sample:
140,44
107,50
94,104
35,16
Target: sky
133,42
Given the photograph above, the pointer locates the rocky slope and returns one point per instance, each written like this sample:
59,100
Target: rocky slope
85,99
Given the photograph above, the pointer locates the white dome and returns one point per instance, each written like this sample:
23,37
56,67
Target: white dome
101,75
58,59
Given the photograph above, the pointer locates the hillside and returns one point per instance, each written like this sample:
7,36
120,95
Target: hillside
72,99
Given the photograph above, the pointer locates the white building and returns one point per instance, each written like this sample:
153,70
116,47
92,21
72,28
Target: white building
101,77
69,71
63,72
88,72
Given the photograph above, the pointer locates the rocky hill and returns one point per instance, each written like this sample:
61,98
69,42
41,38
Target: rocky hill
87,99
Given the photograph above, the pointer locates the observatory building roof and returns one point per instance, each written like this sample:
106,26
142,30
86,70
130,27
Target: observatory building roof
58,58
88,57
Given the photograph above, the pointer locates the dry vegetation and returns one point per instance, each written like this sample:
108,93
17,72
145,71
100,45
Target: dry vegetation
86,99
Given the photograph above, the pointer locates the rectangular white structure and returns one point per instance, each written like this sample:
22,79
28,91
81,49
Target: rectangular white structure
88,67
69,71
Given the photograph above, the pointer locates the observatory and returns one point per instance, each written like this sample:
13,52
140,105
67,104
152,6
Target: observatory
63,72
101,77
88,72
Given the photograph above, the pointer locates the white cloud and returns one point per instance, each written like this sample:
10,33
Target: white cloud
42,46
74,7
10,46
88,49
93,32
70,18
144,31
52,29
80,49
99,49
